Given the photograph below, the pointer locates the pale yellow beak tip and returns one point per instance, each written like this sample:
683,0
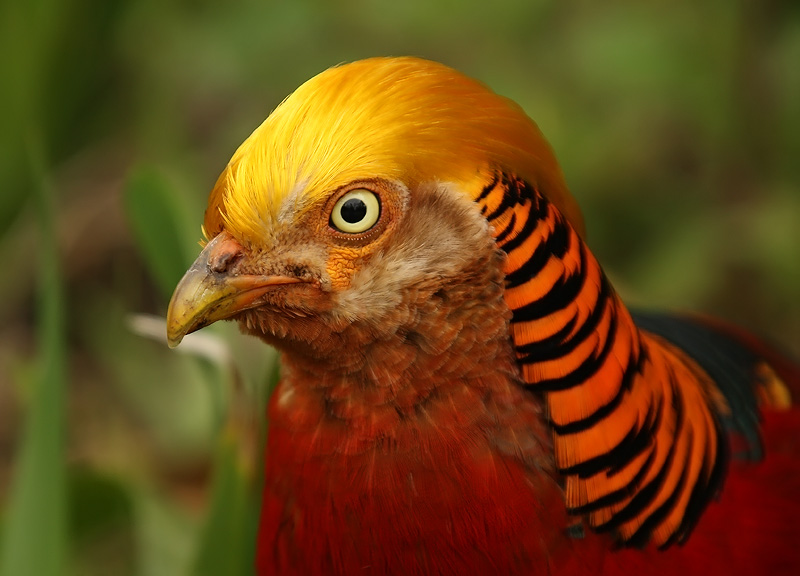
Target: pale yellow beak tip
180,318
173,340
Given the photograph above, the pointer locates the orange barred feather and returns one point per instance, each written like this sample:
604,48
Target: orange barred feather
633,416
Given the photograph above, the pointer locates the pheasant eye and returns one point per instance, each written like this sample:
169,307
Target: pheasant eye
356,212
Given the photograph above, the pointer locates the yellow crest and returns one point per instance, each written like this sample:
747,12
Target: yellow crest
403,119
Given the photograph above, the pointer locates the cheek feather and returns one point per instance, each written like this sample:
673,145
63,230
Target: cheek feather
342,264
441,235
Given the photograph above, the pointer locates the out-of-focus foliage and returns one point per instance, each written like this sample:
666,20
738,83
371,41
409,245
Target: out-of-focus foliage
677,125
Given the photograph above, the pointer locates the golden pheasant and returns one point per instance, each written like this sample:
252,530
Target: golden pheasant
463,392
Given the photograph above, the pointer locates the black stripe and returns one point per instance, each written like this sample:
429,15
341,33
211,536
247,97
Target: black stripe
649,492
588,367
517,192
703,491
642,441
556,245
550,348
488,188
604,411
618,495
560,240
635,367
633,444
527,229
642,534
563,292
507,230
507,202
554,340
519,188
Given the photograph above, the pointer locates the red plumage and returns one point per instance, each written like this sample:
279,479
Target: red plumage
748,531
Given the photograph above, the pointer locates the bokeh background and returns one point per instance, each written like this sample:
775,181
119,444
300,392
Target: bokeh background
677,124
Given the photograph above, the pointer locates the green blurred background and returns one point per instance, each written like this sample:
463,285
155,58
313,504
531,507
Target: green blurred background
677,125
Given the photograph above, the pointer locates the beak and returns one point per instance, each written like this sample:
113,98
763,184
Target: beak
209,291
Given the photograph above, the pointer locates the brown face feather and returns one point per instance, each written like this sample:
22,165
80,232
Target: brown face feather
432,247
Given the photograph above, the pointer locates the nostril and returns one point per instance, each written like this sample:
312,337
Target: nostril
223,255
220,262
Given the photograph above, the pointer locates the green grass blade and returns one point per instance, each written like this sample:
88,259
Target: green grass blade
35,534
155,217
227,544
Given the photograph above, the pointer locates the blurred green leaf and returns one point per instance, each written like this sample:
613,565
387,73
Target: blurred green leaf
155,216
165,537
26,38
101,524
14,196
227,543
35,535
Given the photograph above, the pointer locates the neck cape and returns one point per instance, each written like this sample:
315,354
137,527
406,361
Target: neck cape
633,417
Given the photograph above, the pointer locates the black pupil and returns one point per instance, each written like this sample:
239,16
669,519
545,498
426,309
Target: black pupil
353,210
